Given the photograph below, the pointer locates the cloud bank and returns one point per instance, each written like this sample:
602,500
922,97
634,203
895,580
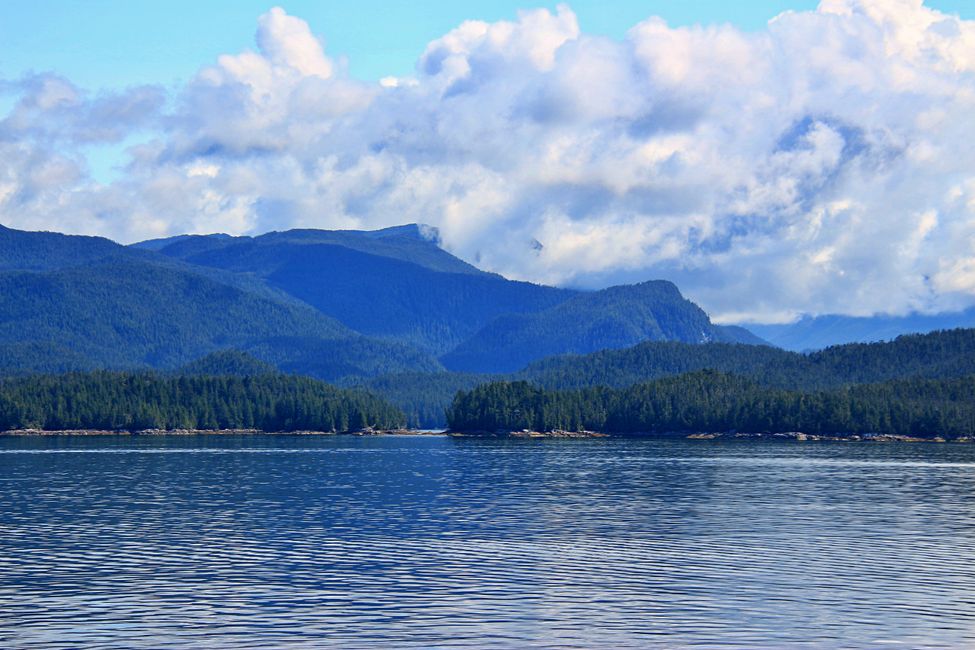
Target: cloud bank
824,165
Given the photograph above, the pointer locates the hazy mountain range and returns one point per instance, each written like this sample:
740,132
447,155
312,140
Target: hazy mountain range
815,333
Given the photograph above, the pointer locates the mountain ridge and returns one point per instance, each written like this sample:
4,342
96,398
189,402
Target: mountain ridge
309,301
818,332
96,305
616,317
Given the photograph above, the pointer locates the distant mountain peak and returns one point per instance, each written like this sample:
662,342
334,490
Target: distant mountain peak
612,318
420,231
163,242
23,250
818,332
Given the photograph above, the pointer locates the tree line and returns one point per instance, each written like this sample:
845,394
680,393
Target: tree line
134,401
937,355
710,401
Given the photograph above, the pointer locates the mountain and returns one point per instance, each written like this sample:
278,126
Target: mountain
656,359
99,305
35,251
395,284
374,310
617,317
347,305
815,333
334,359
132,314
415,243
936,355
159,244
399,284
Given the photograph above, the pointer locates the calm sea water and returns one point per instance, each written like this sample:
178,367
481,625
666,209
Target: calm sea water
428,541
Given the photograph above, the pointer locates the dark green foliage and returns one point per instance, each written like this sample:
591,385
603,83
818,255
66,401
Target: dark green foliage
709,401
77,303
127,401
614,318
228,363
655,359
935,355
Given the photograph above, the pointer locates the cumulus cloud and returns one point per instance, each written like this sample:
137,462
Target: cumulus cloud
820,166
50,109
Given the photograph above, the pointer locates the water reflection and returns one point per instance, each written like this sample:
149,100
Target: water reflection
427,541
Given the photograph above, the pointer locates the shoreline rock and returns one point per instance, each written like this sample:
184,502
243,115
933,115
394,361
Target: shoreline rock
800,436
216,432
527,433
797,436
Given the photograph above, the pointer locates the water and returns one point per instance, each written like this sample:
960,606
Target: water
271,541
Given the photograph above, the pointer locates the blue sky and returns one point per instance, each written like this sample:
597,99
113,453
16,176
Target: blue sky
112,43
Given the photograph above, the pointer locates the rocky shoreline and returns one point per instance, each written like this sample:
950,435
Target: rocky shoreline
724,435
525,433
802,437
797,436
217,432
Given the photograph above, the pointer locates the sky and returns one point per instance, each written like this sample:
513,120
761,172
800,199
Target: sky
773,158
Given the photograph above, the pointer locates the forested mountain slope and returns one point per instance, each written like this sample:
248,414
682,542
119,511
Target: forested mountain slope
127,311
289,298
27,251
617,317
227,363
391,283
935,355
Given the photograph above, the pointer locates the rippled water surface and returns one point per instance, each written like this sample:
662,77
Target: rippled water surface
216,541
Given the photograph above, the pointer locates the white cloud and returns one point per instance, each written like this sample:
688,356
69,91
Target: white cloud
823,165
286,41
